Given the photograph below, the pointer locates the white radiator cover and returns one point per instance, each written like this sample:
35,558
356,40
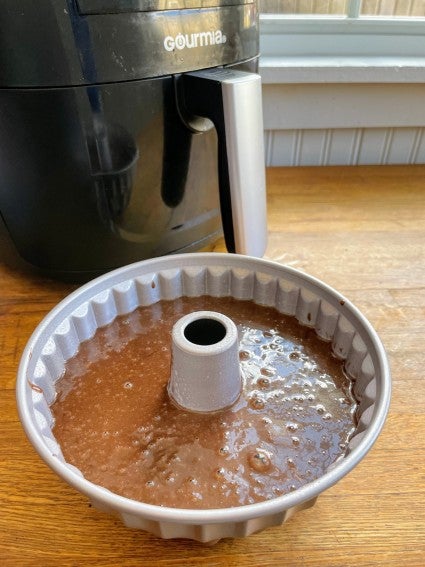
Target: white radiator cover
345,146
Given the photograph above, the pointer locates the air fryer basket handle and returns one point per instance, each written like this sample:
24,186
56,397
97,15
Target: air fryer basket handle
232,101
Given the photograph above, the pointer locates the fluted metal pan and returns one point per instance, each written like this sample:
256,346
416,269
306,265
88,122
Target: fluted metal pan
313,303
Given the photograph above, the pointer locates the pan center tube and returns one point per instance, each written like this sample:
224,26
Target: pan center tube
205,370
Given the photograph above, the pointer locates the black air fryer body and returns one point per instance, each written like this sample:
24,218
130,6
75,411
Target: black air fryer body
98,166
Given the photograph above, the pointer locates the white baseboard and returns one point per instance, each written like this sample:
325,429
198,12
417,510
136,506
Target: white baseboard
345,146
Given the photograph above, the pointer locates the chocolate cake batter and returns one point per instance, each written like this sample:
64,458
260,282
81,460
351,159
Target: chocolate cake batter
115,422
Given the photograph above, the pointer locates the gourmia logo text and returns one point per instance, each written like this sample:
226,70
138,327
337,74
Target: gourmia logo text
189,41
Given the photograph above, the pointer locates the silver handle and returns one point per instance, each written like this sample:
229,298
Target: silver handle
232,100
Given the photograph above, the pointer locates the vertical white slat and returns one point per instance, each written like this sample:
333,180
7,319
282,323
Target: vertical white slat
271,144
386,146
420,155
311,147
326,145
282,149
356,145
413,156
340,146
401,146
268,145
370,149
297,141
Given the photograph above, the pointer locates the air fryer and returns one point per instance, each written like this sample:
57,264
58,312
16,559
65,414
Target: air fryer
129,129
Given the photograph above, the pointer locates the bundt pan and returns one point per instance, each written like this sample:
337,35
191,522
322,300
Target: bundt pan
314,304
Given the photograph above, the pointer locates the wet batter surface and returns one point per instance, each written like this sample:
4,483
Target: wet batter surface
115,422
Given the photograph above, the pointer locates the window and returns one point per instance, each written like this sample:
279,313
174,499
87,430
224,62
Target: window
343,40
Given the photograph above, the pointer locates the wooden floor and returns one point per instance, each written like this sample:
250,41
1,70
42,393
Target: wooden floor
361,230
